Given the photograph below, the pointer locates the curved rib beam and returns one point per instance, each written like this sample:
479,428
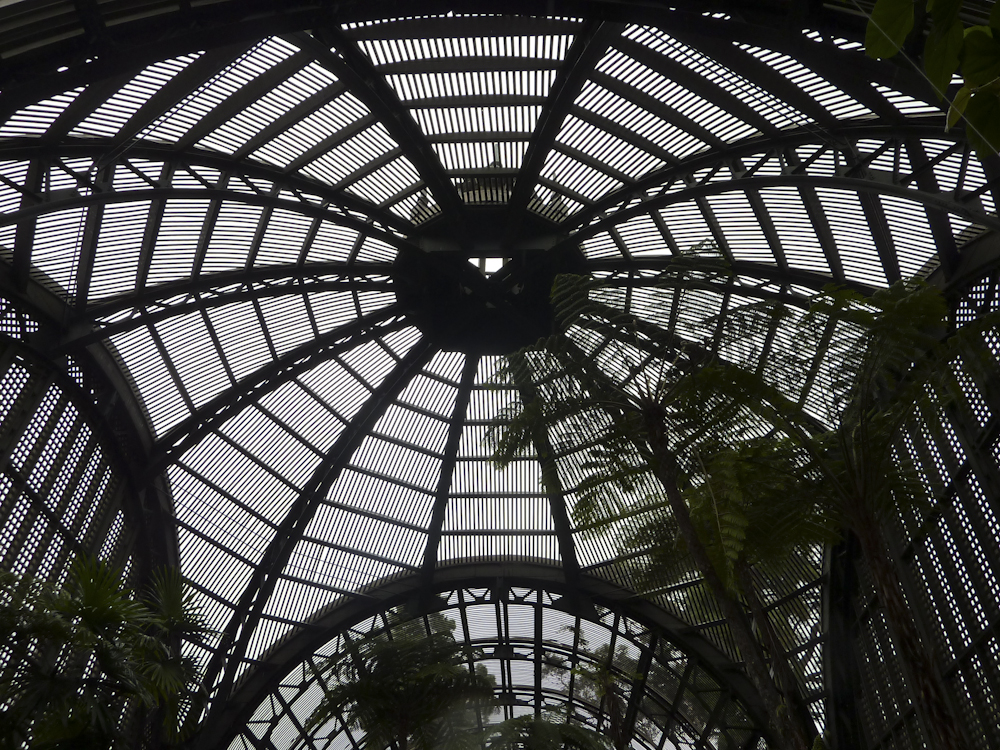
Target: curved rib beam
302,643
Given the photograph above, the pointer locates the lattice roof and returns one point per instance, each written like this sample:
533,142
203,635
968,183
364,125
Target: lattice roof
297,241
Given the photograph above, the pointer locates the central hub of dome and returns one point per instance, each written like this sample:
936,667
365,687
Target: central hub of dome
454,301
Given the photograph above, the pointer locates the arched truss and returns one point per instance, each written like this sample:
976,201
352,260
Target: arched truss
255,238
532,630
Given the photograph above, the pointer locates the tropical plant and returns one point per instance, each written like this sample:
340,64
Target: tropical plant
948,47
893,371
90,665
604,680
645,423
758,507
543,732
405,687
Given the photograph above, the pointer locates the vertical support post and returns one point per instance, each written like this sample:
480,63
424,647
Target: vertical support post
839,659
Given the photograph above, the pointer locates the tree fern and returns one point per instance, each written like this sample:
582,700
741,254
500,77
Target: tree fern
636,434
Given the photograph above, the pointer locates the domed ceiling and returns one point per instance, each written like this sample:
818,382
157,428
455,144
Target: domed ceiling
298,240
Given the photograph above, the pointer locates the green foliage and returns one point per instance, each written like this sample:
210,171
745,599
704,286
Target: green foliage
546,732
763,480
890,23
758,502
606,680
894,368
623,404
90,660
404,686
949,47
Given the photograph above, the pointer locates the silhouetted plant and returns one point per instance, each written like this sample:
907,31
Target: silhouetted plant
92,665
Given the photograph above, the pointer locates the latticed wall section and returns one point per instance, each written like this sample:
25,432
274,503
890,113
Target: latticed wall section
59,492
950,562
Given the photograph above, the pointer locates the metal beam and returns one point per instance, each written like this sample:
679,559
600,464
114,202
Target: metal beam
290,117
24,234
267,201
349,206
777,150
804,182
448,465
758,72
206,67
940,224
590,44
236,636
264,676
79,339
268,276
155,32
554,491
242,98
685,76
293,363
362,79
453,27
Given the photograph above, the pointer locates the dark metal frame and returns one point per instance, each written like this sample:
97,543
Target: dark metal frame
419,595
97,49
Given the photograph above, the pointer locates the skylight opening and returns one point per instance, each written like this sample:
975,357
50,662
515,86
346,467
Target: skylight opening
606,148
672,94
686,223
231,237
284,238
740,226
56,247
488,266
410,423
484,155
906,104
411,86
346,160
194,356
137,174
162,399
13,174
118,245
238,328
602,245
369,302
840,42
387,181
578,178
413,205
911,235
544,47
853,236
486,119
375,250
286,322
795,230
961,171
886,161
641,236
339,117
